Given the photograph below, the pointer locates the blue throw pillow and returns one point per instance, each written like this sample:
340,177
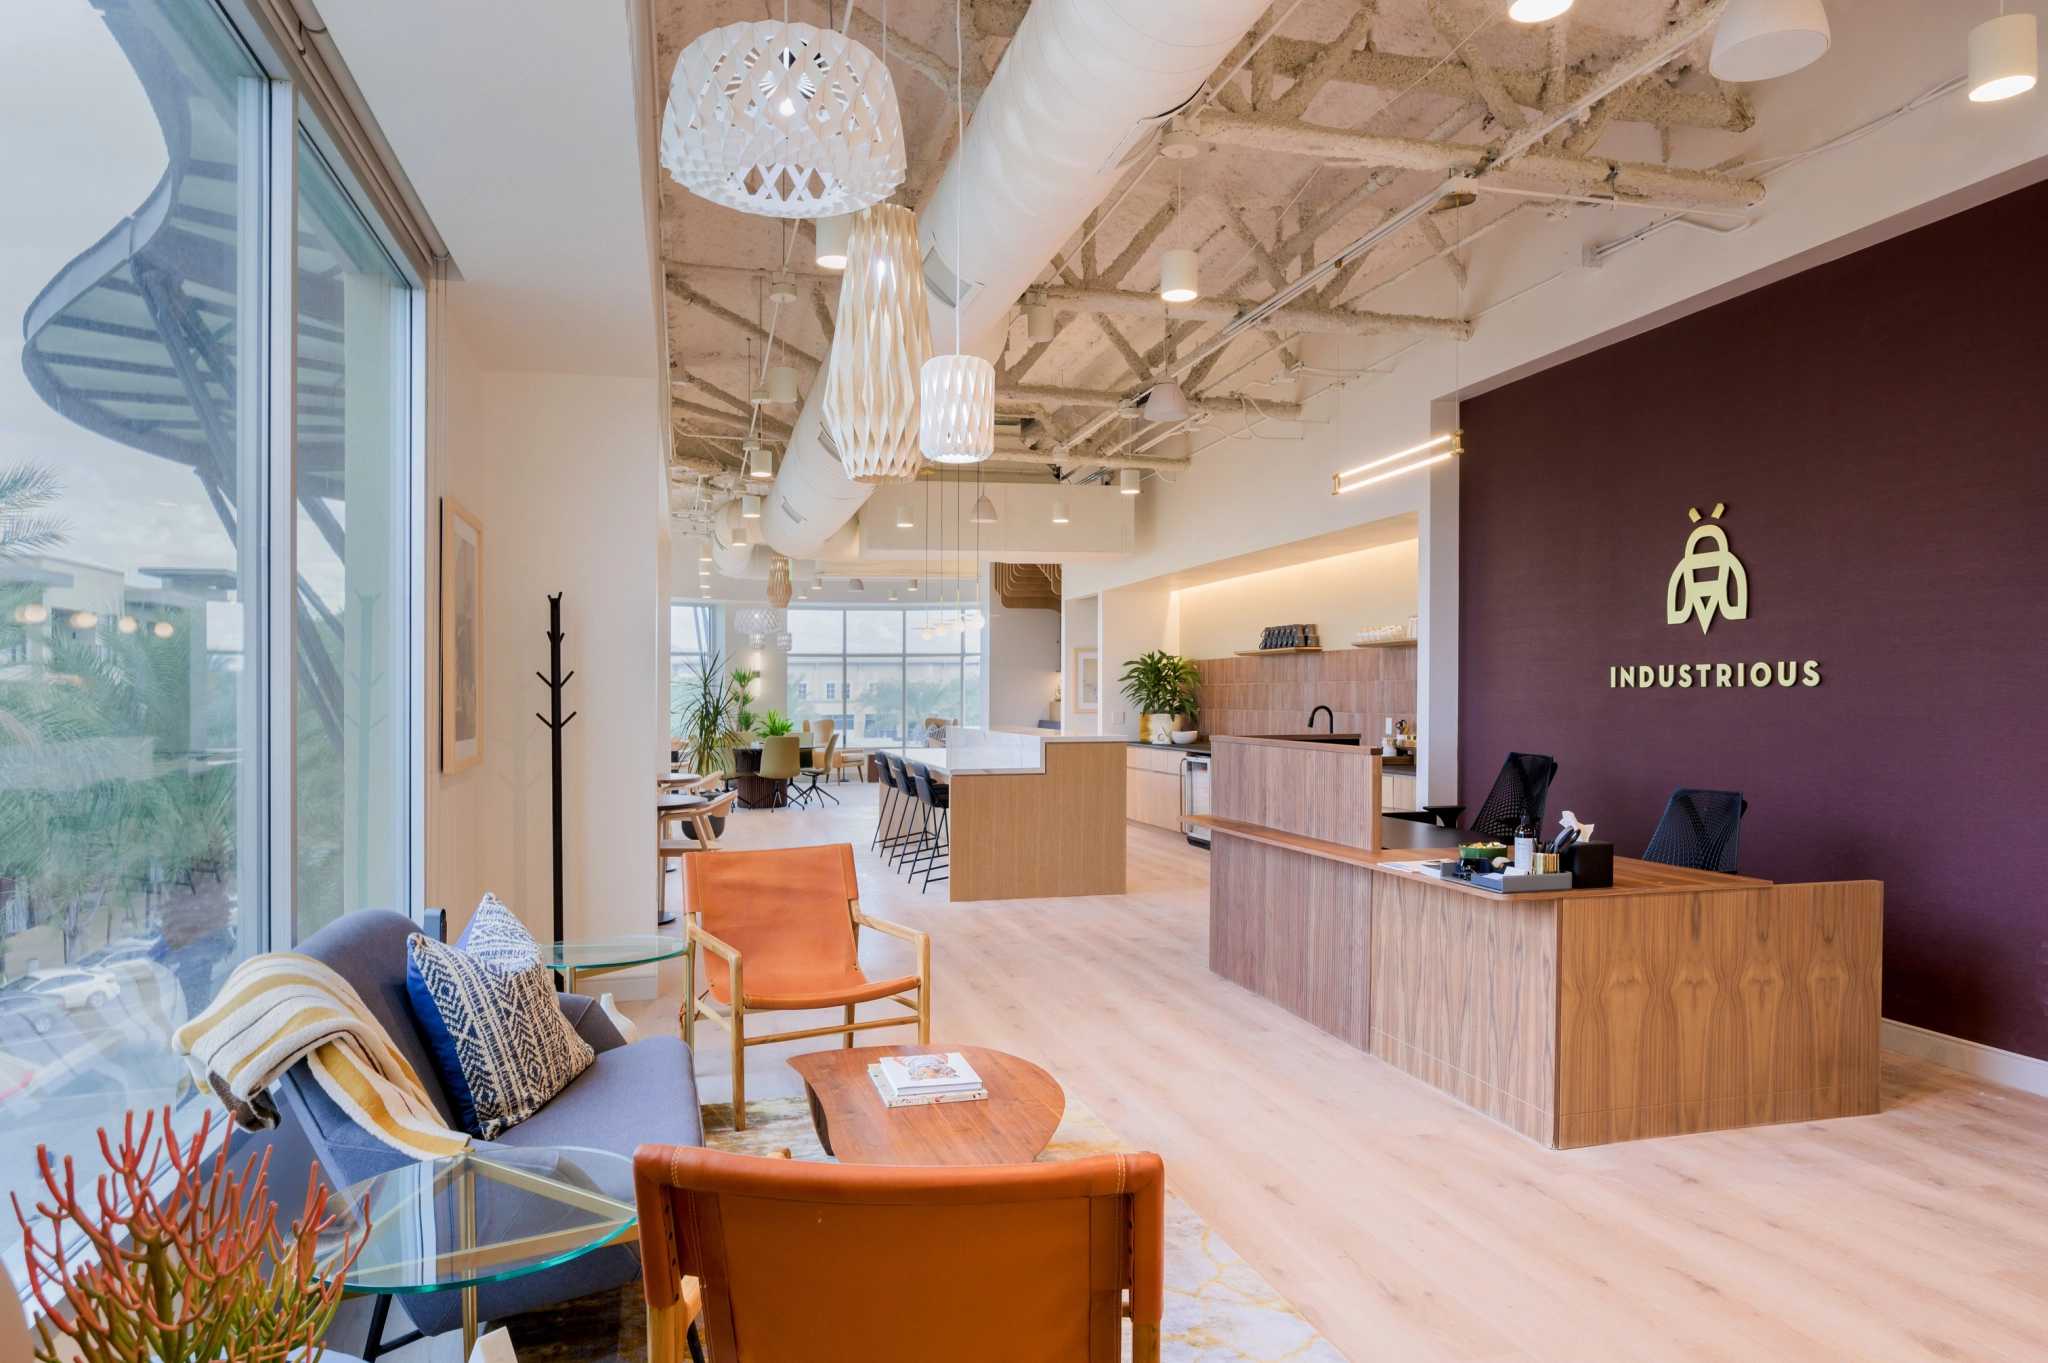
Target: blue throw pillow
487,1009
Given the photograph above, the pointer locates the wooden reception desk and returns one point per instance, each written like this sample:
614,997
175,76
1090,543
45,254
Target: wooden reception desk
1677,1001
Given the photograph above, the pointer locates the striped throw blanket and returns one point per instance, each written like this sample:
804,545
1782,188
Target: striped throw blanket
279,1008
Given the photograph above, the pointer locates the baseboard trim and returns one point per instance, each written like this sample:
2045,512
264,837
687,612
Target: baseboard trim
1971,1057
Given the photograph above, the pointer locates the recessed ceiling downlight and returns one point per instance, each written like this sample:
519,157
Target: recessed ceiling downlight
1765,39
2003,60
1536,11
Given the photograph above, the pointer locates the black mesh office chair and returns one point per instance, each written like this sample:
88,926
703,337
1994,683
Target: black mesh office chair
1523,784
1700,829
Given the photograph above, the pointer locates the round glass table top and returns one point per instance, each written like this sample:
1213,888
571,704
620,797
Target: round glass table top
480,1217
598,953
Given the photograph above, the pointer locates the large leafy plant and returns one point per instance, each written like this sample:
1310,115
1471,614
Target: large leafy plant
1162,683
713,711
774,724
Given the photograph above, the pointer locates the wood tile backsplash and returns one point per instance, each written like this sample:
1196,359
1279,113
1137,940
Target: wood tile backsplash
1273,695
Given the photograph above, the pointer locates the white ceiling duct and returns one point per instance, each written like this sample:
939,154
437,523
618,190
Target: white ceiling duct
1077,99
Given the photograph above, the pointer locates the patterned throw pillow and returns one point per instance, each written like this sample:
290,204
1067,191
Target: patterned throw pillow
487,1009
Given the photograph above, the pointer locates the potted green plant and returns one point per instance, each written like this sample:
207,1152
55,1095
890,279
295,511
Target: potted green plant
182,1260
714,715
774,724
1162,686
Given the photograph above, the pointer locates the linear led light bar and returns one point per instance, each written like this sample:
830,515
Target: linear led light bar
1338,483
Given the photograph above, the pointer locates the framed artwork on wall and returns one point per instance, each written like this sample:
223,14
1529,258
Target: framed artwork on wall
1087,682
462,561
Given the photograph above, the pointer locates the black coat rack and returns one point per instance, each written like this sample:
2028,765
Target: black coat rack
556,722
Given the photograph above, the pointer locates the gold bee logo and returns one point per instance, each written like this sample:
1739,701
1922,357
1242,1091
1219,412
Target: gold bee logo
1708,579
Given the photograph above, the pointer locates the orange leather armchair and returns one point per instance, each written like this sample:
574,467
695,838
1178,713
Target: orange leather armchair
797,1262
779,930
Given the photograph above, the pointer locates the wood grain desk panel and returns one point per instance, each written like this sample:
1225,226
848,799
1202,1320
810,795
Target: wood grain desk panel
1296,929
1676,1001
1693,1012
1029,836
1329,792
1464,997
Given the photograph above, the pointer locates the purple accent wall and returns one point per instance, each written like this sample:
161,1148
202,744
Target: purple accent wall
1876,426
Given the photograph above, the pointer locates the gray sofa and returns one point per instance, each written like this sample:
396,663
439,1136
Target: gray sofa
630,1095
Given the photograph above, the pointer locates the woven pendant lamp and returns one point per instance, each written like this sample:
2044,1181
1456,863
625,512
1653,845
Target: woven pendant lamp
882,341
957,402
778,582
785,120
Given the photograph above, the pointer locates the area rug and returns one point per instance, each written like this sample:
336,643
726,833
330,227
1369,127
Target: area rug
1218,1310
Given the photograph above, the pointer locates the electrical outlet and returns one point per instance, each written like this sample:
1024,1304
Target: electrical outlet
1123,717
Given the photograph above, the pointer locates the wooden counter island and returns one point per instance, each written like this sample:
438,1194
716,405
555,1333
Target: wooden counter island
1677,1001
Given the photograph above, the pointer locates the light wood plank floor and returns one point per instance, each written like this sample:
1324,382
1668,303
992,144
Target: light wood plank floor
1406,1226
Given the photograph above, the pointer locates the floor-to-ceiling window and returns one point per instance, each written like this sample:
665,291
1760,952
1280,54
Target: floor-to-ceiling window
691,642
167,640
879,673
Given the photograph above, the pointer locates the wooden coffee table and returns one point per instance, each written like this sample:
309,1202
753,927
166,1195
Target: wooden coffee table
1022,1110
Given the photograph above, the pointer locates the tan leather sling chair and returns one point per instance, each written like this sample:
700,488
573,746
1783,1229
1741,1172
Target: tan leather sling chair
804,1262
784,925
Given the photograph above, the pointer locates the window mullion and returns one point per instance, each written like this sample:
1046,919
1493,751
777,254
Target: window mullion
280,552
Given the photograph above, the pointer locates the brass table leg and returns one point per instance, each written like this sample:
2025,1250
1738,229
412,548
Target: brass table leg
466,1229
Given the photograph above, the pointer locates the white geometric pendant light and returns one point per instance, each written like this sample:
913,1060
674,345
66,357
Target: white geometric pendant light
957,399
784,120
879,349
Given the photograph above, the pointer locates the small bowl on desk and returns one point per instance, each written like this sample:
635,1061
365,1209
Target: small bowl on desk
1183,737
1481,854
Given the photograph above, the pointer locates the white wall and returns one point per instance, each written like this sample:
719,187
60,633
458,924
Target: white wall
1079,628
564,473
1339,595
1023,663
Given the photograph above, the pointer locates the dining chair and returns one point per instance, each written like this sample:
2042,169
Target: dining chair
781,761
1001,1263
1523,786
779,930
821,765
1700,829
850,757
703,838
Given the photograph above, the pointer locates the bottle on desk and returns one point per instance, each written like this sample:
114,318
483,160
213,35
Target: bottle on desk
1525,845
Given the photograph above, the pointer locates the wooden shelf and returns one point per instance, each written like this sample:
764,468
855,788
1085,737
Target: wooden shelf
1267,652
1389,643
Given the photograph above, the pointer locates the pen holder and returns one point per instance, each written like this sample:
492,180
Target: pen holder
1591,865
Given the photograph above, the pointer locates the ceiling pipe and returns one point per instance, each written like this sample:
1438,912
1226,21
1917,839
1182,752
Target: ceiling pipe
1077,99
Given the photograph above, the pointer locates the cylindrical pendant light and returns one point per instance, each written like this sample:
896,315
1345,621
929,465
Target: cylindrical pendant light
760,460
782,384
1537,11
786,120
1059,513
739,534
1127,482
913,585
1038,326
2003,58
984,511
759,396
883,339
782,287
892,593
1180,277
957,406
1765,39
856,585
832,232
750,507
903,521
704,555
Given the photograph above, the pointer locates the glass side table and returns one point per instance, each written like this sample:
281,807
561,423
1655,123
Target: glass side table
480,1217
600,955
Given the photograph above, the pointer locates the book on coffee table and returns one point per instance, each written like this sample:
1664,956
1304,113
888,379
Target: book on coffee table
906,1080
